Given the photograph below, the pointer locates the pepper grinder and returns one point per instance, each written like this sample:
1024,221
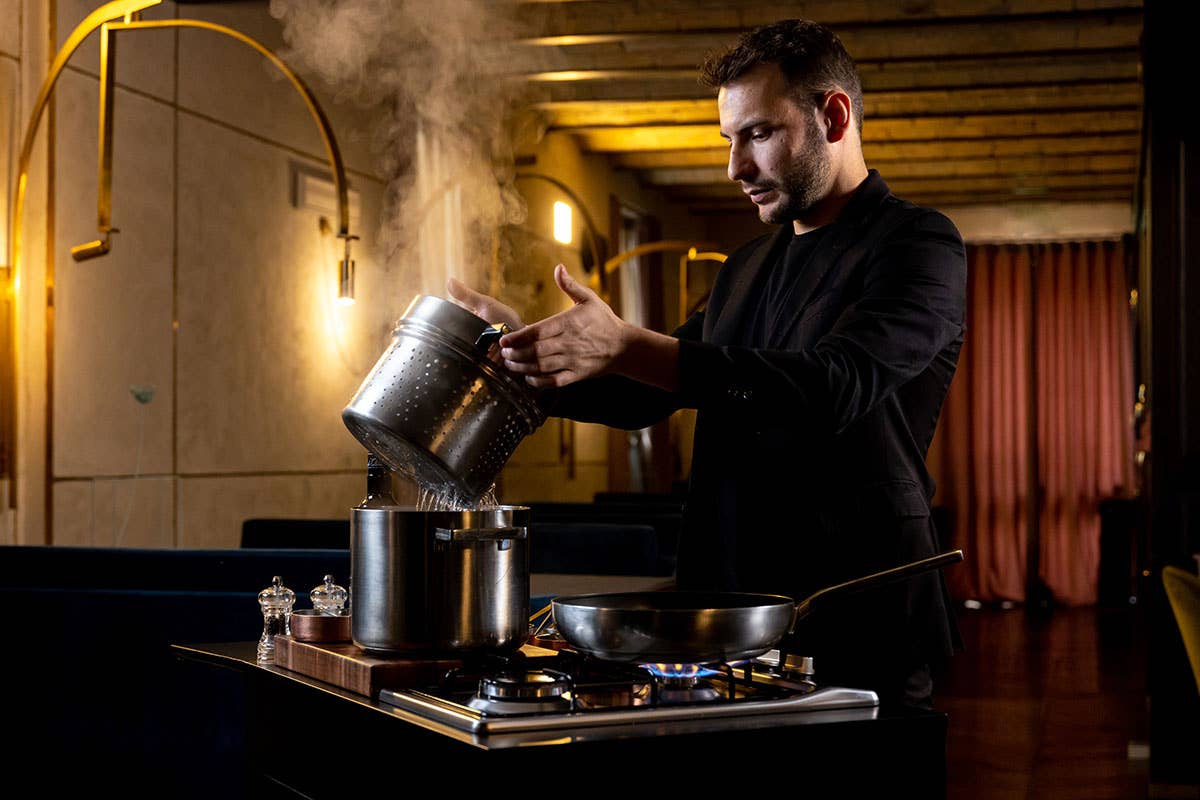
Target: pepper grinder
328,599
276,602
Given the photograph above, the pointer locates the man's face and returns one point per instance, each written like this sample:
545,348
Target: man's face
777,149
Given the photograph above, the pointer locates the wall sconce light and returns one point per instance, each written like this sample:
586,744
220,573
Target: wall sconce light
595,244
312,192
345,295
563,225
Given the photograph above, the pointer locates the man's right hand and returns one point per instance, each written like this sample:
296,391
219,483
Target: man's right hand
488,308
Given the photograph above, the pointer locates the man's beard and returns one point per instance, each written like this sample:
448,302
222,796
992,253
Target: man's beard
805,182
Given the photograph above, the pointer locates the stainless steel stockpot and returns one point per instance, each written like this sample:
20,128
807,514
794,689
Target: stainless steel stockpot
439,581
437,409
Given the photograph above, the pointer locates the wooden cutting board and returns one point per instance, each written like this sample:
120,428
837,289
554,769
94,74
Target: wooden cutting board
347,666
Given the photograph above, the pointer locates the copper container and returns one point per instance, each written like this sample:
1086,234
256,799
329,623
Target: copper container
310,626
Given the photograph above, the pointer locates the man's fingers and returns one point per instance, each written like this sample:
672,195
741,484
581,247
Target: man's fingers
571,287
542,366
540,357
538,331
539,349
477,303
481,305
523,355
464,294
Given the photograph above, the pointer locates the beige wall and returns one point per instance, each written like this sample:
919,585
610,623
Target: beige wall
218,294
24,48
10,114
1045,221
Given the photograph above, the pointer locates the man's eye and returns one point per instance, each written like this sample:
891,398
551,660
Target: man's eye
759,136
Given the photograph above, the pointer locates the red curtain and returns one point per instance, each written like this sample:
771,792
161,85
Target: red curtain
1085,402
1044,386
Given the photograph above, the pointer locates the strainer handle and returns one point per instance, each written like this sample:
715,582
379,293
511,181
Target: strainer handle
490,336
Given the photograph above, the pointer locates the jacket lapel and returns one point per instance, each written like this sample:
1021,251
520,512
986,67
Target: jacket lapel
800,293
728,327
844,233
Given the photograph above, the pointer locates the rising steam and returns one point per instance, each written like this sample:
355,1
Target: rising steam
447,145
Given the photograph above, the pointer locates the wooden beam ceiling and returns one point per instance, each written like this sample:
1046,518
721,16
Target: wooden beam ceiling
965,100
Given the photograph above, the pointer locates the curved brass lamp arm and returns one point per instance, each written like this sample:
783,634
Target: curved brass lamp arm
109,11
588,224
331,146
690,255
711,256
648,247
115,10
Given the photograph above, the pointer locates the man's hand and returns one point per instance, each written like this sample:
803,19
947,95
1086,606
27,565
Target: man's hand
479,304
586,340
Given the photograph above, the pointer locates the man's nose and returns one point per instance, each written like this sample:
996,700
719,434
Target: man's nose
741,167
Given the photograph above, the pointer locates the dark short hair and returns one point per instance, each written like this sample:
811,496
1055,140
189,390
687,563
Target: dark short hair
811,57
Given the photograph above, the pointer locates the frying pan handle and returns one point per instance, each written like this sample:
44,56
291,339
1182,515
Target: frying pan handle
877,579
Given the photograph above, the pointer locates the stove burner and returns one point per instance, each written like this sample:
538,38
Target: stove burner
527,684
679,682
525,691
687,683
679,676
688,694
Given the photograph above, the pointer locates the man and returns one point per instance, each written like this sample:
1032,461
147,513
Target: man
818,368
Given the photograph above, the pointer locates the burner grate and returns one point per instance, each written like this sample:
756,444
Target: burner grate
573,683
568,690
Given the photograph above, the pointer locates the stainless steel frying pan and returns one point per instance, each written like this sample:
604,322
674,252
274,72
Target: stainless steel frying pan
700,627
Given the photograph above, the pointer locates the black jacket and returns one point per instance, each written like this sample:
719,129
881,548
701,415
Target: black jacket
809,459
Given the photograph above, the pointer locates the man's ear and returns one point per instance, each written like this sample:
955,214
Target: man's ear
837,114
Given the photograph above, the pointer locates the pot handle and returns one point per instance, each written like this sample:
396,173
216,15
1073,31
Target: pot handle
804,607
490,336
471,535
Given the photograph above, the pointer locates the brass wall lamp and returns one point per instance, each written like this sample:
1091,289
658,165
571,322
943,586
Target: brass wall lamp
691,254
595,243
125,15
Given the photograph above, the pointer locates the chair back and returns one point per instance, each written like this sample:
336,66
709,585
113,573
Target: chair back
1183,592
303,534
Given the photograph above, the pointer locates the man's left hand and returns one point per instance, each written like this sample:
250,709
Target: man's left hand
584,341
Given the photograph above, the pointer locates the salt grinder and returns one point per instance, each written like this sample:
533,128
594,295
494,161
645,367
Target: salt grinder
328,599
276,602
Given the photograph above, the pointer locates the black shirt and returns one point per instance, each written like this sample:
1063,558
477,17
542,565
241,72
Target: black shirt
772,296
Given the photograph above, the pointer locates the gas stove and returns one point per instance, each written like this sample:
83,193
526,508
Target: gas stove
566,690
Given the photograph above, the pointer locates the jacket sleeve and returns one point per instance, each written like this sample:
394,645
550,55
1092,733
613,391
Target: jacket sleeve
619,401
911,307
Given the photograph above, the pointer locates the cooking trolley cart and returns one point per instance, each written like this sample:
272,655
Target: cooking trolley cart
851,751
556,718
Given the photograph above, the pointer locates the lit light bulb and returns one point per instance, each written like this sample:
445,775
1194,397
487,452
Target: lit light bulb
563,227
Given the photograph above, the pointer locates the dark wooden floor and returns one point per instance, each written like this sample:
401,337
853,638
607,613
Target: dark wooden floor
1046,706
